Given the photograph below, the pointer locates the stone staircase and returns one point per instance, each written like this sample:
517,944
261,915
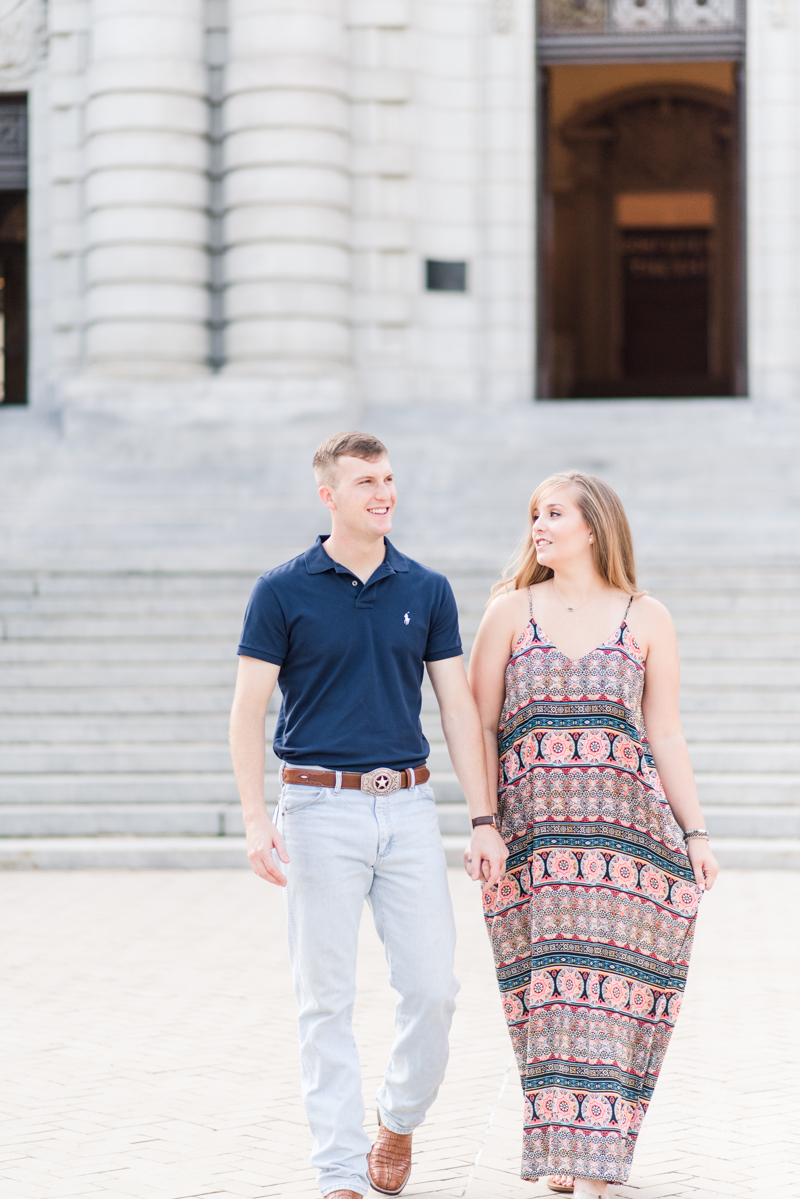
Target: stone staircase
115,690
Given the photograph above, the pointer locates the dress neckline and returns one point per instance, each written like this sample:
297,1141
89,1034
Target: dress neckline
614,637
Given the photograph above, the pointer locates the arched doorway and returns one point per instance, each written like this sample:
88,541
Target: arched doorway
644,257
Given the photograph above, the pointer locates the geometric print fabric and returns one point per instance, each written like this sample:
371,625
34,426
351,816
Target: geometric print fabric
592,923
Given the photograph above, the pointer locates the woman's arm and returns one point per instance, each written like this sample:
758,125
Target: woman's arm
661,710
487,666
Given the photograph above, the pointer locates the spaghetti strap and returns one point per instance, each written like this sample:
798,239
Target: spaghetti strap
627,610
530,604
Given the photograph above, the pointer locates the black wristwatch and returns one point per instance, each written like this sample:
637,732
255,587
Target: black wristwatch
484,820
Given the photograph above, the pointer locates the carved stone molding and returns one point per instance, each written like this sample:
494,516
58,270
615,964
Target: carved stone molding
22,39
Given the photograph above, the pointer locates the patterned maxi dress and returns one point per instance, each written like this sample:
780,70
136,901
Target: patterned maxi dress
592,924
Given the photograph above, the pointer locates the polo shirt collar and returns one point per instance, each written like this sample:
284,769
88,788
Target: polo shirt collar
317,561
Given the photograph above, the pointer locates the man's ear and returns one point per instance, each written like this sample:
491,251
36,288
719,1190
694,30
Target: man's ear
326,495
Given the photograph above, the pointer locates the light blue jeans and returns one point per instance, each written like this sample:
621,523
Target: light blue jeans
346,847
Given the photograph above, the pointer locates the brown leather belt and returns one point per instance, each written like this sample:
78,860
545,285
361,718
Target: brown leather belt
382,781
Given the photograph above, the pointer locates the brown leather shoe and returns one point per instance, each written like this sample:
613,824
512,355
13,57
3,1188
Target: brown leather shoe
389,1162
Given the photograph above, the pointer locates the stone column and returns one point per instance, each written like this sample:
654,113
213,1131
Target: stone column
773,199
146,190
287,189
68,39
386,270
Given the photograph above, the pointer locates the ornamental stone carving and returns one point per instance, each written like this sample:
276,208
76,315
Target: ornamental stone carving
22,39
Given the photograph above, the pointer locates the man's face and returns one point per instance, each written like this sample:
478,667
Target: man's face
362,497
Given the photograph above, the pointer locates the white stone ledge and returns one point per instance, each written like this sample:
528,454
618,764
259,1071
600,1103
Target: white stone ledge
380,309
431,92
389,161
281,109
446,20
162,339
122,301
303,185
146,75
272,260
136,111
66,237
259,339
66,166
287,72
288,299
157,187
287,147
154,36
67,91
292,32
378,14
156,148
161,264
148,225
381,85
382,233
68,17
287,222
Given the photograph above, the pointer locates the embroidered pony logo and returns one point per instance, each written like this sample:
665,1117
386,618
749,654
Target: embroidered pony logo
407,618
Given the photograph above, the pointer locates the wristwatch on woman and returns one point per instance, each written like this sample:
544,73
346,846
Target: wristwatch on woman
484,820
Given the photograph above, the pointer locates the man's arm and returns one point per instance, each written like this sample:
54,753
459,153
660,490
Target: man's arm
462,731
255,683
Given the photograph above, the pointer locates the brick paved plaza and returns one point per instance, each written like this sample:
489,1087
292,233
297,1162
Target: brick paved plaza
148,1047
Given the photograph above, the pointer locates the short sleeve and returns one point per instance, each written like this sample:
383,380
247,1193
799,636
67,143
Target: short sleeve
444,640
264,633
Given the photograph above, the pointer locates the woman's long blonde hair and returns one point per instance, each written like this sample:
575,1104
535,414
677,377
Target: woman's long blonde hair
612,543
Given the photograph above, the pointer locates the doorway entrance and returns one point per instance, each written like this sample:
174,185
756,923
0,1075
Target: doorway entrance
641,231
13,250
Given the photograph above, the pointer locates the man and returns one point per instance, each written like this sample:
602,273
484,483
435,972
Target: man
345,629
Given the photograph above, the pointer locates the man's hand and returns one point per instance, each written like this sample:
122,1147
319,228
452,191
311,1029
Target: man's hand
262,838
485,856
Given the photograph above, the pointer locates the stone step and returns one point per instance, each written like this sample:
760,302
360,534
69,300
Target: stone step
148,820
117,700
170,788
721,821
766,758
203,853
190,670
737,790
102,726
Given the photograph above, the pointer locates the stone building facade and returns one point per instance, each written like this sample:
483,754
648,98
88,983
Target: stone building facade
322,201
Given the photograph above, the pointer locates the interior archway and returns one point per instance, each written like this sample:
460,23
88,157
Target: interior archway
641,192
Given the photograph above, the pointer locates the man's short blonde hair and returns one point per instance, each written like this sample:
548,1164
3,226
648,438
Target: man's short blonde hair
344,445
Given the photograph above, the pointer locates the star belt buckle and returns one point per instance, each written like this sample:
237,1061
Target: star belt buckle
382,781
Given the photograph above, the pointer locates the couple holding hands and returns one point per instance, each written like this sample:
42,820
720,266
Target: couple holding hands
588,838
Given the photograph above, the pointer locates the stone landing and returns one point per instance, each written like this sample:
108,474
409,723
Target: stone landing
130,547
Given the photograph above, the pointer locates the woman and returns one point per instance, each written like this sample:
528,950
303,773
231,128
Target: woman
575,672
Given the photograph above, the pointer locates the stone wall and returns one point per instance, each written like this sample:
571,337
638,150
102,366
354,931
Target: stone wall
225,190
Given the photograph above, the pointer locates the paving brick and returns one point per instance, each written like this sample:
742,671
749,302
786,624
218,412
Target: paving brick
149,1048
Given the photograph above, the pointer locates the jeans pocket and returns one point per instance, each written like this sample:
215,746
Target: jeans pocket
427,791
295,798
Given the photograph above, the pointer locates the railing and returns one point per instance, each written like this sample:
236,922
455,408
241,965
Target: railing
615,17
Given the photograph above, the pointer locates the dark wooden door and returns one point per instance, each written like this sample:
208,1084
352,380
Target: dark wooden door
666,307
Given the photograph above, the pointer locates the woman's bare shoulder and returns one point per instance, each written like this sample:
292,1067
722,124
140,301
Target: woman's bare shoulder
506,606
651,617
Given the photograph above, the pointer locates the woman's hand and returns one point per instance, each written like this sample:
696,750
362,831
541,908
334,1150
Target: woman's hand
704,864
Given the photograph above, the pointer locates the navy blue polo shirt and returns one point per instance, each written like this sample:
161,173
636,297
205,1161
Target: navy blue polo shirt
351,655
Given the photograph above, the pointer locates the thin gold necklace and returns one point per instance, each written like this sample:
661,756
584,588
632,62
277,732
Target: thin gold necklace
585,602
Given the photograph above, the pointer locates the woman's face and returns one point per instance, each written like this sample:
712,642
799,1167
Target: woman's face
560,533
